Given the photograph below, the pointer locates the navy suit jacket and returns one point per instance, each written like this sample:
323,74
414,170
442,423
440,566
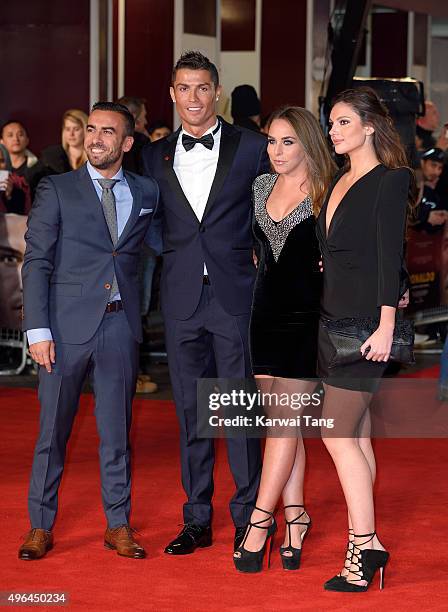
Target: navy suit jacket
70,258
223,239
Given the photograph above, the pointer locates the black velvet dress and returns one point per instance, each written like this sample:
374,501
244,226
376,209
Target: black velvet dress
285,310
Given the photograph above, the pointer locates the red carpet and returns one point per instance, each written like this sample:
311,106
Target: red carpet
412,495
429,372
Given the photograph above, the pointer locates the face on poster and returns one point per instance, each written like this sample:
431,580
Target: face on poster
12,249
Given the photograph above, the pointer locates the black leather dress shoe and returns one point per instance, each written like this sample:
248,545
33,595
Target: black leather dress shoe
191,537
240,532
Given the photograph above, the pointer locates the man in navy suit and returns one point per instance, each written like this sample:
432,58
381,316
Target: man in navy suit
82,316
205,172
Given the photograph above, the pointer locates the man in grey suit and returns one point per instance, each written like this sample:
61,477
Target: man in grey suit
82,316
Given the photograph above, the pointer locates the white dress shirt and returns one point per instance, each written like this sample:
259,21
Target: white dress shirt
123,202
195,170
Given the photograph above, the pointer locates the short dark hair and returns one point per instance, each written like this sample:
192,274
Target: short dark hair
434,154
157,125
4,125
133,104
114,107
195,60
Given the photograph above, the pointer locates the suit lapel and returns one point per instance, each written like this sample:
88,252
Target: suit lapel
230,139
89,192
167,161
136,207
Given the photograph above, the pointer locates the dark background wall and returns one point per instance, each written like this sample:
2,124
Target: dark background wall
44,53
149,54
238,25
283,53
200,17
45,46
436,8
44,50
389,44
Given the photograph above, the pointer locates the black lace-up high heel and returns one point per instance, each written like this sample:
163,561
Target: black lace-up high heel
367,562
347,562
292,561
248,561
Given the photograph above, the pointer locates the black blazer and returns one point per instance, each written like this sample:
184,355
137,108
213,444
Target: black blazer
55,160
223,239
132,160
363,252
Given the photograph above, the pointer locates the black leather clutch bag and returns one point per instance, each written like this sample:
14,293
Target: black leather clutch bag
348,335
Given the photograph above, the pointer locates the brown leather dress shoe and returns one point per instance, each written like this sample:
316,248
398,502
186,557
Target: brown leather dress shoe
38,542
122,540
144,385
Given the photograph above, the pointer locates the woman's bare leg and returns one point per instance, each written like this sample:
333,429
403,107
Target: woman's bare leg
283,464
365,444
354,468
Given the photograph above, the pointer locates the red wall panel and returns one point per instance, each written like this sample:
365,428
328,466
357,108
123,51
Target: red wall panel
283,53
389,44
238,25
200,17
44,46
149,54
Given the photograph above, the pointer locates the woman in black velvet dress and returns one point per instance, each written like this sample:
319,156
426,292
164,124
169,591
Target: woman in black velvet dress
285,316
361,231
285,310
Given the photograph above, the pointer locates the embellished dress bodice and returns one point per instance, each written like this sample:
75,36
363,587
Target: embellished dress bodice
288,280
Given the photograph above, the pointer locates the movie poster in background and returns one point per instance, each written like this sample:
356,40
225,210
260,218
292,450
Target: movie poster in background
427,261
12,250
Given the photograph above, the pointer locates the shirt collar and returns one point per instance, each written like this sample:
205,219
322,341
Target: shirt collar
95,175
209,131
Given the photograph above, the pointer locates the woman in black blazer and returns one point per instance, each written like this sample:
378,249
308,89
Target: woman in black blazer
70,154
361,231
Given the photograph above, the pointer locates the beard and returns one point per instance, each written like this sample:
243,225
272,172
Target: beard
108,159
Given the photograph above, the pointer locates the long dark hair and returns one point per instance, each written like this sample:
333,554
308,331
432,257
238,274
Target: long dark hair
386,140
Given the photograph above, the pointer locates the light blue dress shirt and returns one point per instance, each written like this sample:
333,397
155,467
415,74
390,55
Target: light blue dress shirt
123,202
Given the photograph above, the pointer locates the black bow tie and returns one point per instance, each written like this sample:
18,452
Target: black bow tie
189,142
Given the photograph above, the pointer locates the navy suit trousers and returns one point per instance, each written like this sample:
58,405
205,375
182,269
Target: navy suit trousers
210,343
111,359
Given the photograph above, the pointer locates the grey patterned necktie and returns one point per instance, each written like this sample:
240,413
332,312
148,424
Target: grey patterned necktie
110,214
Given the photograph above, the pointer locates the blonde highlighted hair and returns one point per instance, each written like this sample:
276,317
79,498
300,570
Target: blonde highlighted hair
320,165
79,117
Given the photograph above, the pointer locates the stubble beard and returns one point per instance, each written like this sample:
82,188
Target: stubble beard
106,162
